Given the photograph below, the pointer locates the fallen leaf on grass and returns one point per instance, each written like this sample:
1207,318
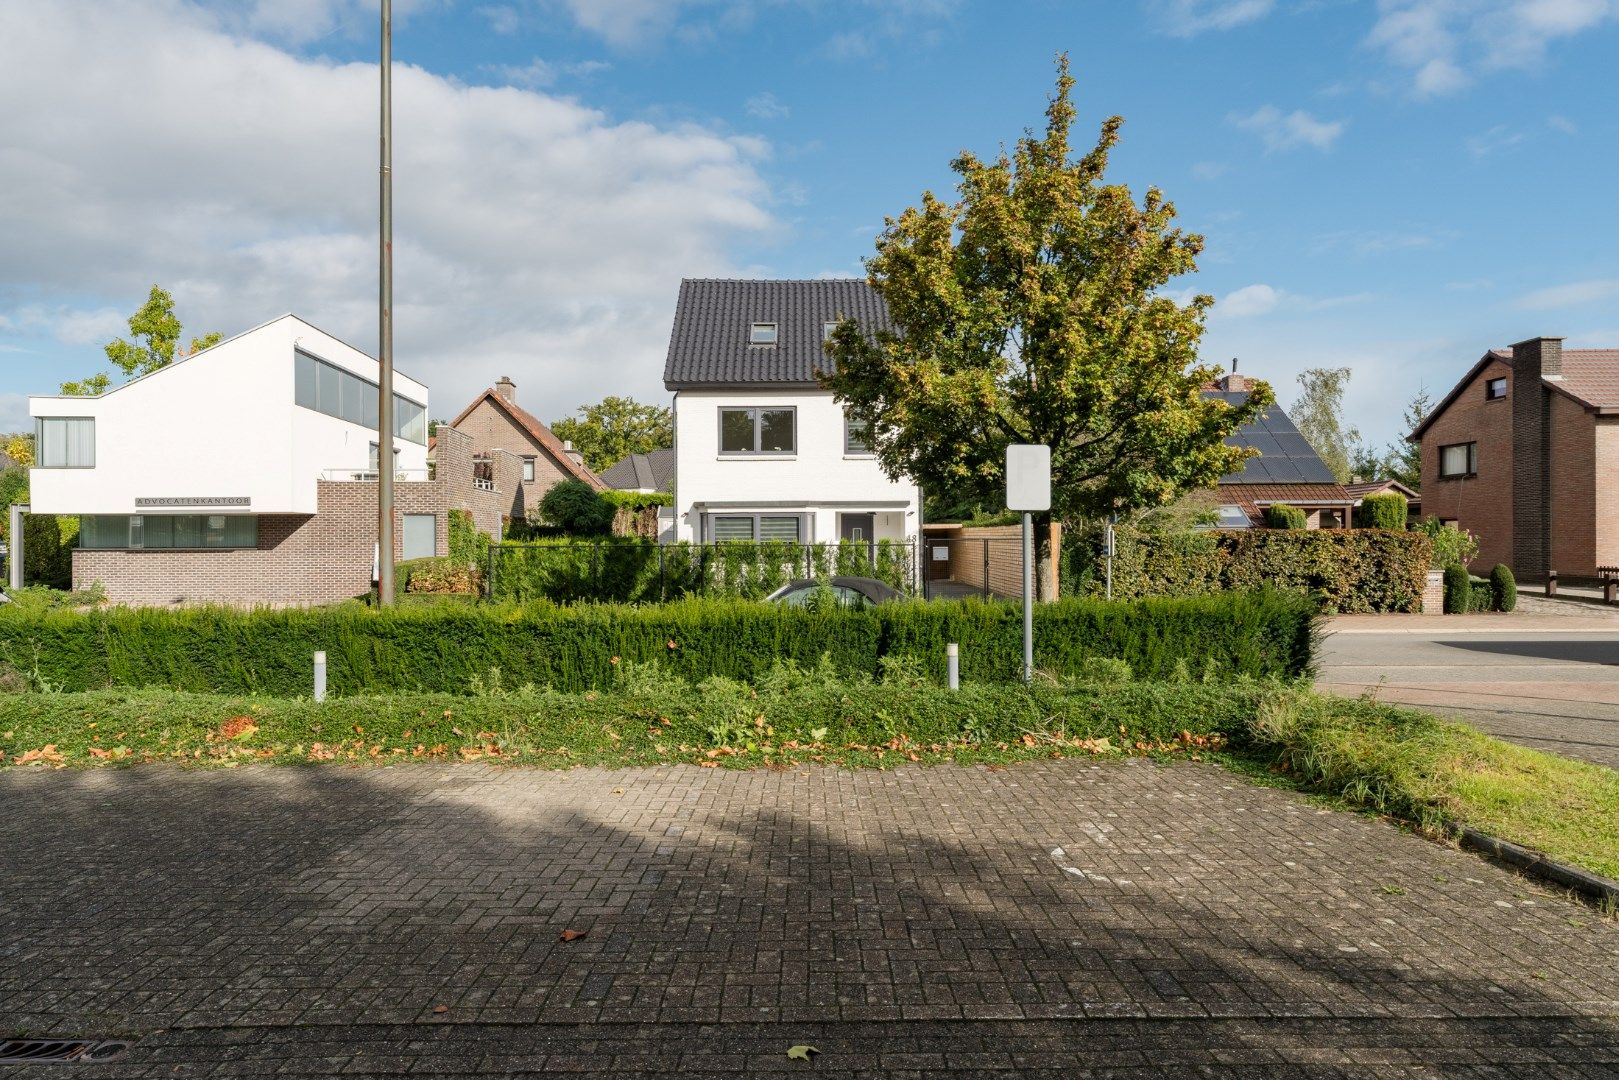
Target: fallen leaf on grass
239,727
441,1009
48,752
573,935
801,1052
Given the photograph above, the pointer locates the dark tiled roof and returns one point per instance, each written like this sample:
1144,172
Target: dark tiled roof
1285,457
654,471
1250,496
709,344
1379,487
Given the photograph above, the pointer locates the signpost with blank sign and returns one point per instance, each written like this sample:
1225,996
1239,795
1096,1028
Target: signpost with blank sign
1028,491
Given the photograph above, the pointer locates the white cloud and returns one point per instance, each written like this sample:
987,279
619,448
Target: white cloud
1573,294
14,413
538,74
1287,131
502,19
1496,139
299,22
865,23
1187,18
534,235
1249,301
766,106
1563,124
1443,44
1378,241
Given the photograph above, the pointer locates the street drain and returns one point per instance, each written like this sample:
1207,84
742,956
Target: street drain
60,1051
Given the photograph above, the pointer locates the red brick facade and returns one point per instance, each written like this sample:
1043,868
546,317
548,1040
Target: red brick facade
317,559
495,423
1544,494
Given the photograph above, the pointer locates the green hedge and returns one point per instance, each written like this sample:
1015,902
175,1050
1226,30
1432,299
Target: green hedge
1386,511
1285,517
1503,588
442,648
1345,570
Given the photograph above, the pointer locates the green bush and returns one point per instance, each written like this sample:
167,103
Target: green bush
1346,570
1458,590
1480,594
48,543
1503,588
578,508
439,647
442,575
1386,511
1285,517
1450,544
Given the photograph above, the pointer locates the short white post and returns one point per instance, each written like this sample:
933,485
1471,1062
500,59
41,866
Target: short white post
320,676
952,665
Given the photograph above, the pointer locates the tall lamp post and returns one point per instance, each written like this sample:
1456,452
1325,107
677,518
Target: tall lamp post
385,329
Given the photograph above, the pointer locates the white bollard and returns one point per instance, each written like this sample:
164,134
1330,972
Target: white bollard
952,665
320,676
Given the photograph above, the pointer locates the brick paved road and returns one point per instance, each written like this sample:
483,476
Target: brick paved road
1123,918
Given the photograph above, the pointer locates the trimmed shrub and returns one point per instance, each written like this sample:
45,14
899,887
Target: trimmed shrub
1346,570
440,648
1285,517
1458,590
1385,511
1503,588
48,543
578,508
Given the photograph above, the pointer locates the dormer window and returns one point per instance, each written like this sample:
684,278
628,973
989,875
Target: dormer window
828,329
762,333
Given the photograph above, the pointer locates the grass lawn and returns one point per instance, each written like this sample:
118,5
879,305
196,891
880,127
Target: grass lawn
1383,758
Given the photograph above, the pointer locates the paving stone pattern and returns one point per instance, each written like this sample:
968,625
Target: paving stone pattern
1063,919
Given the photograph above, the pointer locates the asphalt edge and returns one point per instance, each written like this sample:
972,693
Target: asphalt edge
1535,864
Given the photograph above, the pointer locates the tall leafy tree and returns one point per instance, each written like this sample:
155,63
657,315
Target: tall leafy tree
616,427
156,330
1404,459
18,447
1032,309
1318,412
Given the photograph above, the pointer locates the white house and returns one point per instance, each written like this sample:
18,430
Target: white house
245,473
761,451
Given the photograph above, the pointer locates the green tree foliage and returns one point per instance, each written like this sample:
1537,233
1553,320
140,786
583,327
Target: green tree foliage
1386,511
1450,544
1317,413
1403,462
1033,310
616,427
578,508
13,489
1285,517
19,447
156,330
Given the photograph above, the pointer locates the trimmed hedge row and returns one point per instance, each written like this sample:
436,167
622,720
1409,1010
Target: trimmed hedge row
1465,593
1345,570
443,648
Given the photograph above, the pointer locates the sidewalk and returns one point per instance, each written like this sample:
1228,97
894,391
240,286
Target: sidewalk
1485,623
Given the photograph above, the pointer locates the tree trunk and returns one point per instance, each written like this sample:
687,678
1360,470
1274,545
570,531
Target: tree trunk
1047,548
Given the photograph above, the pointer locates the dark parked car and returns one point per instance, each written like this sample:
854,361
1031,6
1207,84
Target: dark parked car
849,592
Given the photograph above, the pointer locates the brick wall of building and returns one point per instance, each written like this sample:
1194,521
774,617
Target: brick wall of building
492,430
1001,546
1605,432
300,559
1482,503
1571,486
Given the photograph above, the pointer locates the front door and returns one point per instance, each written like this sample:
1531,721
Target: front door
858,527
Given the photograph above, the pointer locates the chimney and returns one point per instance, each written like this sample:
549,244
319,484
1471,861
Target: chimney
1533,360
1234,383
507,389
567,448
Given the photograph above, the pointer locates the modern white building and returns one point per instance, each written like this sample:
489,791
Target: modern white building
761,451
245,473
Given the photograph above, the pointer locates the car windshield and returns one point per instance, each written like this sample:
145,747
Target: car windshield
812,596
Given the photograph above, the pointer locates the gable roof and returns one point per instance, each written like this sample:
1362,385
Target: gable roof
1285,456
708,346
1381,487
1590,379
536,430
654,471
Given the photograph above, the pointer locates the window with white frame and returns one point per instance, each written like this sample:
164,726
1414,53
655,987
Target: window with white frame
1458,459
528,470
856,436
758,431
762,333
65,442
761,527
327,388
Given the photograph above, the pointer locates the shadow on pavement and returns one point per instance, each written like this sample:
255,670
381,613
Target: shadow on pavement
1581,652
302,916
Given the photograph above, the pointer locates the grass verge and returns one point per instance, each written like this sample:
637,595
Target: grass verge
1391,760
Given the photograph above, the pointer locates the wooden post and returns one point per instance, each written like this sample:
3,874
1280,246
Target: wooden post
1551,583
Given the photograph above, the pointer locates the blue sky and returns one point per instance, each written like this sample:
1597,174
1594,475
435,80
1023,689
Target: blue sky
1391,186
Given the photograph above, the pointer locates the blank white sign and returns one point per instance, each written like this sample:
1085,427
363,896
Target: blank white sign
1028,478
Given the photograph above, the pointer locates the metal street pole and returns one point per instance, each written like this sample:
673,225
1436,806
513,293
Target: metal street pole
1028,599
385,329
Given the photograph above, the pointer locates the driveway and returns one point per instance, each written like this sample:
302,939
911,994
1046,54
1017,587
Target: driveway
1063,919
1550,682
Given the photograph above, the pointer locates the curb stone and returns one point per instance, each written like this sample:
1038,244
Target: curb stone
1535,864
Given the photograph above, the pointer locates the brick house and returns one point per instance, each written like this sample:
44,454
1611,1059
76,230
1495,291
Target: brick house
1287,471
246,474
496,424
1524,452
